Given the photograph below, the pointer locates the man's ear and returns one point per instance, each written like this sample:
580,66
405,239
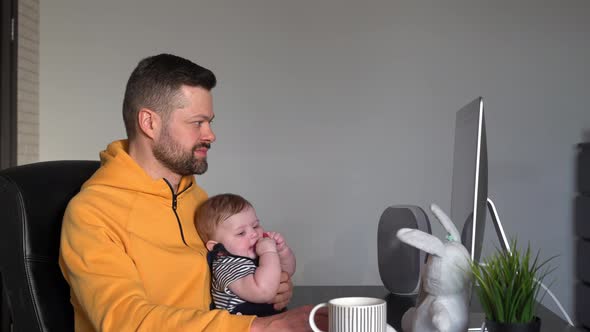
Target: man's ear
149,122
210,244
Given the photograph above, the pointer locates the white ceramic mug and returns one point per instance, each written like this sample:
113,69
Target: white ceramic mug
353,314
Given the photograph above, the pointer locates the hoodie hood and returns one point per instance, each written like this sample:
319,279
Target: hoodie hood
119,170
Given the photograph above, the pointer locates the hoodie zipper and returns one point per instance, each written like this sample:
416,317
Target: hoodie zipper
174,204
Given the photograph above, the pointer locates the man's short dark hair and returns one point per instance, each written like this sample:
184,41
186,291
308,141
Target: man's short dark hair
155,84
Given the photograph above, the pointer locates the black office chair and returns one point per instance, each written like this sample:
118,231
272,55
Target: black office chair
35,296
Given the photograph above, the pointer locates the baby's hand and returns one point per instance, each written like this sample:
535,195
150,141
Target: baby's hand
265,245
279,239
285,253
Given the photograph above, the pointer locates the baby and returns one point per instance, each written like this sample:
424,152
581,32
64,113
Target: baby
245,262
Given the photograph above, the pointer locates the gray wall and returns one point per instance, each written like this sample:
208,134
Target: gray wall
330,111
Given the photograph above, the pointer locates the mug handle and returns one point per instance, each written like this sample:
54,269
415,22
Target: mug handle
312,315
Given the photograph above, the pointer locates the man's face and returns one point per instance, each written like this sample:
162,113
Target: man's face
186,136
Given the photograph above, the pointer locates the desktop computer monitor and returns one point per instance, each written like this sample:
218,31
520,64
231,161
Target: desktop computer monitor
470,176
469,196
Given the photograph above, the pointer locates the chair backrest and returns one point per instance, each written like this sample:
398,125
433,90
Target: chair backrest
33,199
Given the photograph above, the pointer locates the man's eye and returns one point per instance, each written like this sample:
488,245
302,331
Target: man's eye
199,123
256,226
241,233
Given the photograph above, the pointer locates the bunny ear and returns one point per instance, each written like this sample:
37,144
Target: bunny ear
446,222
423,241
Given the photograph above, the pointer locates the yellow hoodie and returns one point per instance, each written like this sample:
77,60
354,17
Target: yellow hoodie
132,256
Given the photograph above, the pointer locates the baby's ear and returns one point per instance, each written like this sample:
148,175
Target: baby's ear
210,244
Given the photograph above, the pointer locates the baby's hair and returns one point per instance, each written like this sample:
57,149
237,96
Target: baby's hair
215,210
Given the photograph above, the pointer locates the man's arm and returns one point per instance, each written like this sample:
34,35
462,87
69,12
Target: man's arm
294,320
108,290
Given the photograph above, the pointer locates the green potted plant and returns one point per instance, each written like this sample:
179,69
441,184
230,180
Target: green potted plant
508,286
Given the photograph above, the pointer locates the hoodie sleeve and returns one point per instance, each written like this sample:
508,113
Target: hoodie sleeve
106,288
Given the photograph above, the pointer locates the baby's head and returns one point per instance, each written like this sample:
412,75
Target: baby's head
231,220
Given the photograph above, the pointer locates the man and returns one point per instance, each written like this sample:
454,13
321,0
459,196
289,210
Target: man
129,252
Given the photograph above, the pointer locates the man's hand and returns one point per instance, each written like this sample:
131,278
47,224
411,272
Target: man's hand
294,320
284,293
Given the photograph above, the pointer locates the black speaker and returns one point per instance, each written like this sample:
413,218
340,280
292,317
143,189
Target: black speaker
583,175
399,263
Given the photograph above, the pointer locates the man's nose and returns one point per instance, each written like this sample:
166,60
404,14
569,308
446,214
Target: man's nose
207,134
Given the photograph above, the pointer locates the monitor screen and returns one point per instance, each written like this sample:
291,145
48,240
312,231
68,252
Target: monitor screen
470,176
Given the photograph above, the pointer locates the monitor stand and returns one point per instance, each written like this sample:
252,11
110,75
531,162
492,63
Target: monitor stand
476,318
498,226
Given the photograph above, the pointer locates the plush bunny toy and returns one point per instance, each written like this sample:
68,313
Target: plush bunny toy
443,302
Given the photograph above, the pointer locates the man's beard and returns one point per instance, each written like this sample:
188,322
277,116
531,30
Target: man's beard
171,154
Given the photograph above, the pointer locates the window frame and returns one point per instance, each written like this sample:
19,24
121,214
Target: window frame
8,82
